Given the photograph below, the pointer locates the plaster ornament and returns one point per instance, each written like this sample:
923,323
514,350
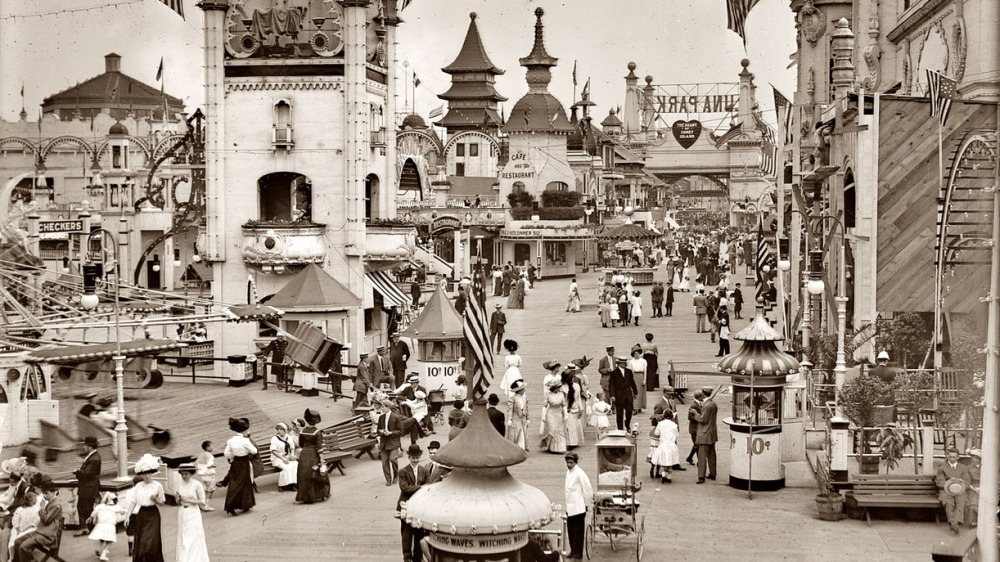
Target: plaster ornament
873,52
812,22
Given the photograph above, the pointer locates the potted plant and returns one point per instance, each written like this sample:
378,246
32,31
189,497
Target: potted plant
829,502
893,443
860,400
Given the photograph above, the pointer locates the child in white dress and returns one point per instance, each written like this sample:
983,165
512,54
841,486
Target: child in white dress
206,472
600,417
25,518
105,520
666,455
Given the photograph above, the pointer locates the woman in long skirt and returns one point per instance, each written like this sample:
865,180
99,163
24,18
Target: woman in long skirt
517,415
516,299
313,481
554,416
239,487
146,495
190,496
651,354
513,373
605,311
666,455
638,367
574,409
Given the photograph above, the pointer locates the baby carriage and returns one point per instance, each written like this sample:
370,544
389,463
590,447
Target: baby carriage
435,400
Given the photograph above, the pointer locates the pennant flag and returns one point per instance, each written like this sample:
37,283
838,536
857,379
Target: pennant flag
403,4
586,90
477,336
416,81
159,71
941,90
738,11
574,74
436,112
22,91
175,5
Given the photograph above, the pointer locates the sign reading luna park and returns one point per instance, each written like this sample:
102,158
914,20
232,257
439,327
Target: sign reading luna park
688,99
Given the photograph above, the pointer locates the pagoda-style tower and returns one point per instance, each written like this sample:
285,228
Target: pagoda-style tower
472,98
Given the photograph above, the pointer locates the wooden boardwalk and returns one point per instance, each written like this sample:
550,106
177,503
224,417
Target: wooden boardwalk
684,521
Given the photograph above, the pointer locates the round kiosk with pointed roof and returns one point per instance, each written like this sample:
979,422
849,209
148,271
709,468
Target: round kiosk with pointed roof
758,372
436,342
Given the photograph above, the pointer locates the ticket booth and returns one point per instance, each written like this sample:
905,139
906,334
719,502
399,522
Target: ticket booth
758,370
435,340
479,512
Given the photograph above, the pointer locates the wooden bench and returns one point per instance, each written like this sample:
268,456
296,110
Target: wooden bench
911,491
353,436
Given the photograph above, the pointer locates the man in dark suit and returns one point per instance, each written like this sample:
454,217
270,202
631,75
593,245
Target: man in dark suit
656,299
411,478
49,522
700,310
954,505
497,322
399,354
88,478
668,301
707,435
621,387
604,367
436,470
362,381
737,302
497,418
388,431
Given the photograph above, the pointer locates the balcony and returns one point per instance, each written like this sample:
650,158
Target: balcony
282,138
377,138
276,245
390,242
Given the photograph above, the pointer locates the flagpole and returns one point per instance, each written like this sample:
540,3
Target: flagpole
938,355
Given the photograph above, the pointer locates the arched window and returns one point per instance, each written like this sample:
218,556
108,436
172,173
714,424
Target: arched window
371,197
850,200
556,186
284,196
282,123
518,186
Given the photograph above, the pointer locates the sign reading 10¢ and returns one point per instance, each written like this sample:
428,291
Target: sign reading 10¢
442,371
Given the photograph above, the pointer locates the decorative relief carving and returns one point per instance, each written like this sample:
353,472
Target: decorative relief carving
873,52
933,54
959,41
811,22
277,86
904,48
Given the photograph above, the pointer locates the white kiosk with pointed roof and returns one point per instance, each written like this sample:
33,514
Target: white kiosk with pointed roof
436,341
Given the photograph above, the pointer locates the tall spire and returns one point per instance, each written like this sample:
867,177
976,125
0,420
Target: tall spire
472,98
538,62
472,56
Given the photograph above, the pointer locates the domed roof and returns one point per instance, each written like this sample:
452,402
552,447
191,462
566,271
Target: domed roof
118,129
414,121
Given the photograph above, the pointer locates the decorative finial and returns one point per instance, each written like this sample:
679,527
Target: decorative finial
472,16
539,12
745,63
649,78
631,65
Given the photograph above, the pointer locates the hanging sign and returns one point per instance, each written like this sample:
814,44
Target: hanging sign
686,132
445,223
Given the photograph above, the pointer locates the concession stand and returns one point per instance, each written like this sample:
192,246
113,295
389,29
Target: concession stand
758,371
623,240
435,339
479,512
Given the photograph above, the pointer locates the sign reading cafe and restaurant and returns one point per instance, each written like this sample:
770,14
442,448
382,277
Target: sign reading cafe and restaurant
518,167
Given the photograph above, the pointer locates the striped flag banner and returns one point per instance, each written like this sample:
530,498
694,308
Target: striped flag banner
738,11
436,112
175,5
941,90
477,336
761,278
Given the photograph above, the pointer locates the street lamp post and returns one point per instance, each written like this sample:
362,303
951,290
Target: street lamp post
89,301
587,211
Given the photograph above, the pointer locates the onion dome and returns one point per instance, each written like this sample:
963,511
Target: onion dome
758,356
479,497
118,129
413,121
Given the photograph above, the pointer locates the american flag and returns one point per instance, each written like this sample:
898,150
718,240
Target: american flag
738,11
784,110
477,336
763,253
768,147
436,112
942,90
175,5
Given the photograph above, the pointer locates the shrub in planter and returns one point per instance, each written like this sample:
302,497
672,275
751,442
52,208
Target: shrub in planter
520,199
860,400
552,198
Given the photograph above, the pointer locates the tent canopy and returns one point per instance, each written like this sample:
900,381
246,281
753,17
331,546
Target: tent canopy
439,321
76,353
314,290
628,232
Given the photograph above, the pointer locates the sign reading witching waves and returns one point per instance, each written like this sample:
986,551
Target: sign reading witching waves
693,98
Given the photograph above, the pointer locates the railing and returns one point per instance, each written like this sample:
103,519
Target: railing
377,138
282,136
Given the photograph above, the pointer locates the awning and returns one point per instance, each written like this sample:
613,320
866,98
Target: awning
380,281
251,312
102,350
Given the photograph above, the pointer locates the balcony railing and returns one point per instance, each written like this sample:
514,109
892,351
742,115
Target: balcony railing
377,138
390,243
282,136
276,245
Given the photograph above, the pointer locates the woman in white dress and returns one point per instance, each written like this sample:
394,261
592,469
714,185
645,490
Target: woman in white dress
638,367
690,273
666,456
517,415
190,496
574,408
513,363
554,416
283,457
636,307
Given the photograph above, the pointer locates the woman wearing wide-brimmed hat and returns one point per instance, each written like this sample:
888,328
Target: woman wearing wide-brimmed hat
517,414
146,495
313,481
239,448
554,415
190,497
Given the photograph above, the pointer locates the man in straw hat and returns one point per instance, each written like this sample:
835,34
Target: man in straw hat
953,479
88,478
498,322
622,390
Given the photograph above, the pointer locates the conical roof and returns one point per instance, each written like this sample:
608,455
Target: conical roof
314,290
439,321
479,445
538,55
758,356
628,231
472,57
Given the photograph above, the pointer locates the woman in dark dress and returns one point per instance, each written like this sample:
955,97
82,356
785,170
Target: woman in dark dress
651,354
239,487
146,495
313,481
